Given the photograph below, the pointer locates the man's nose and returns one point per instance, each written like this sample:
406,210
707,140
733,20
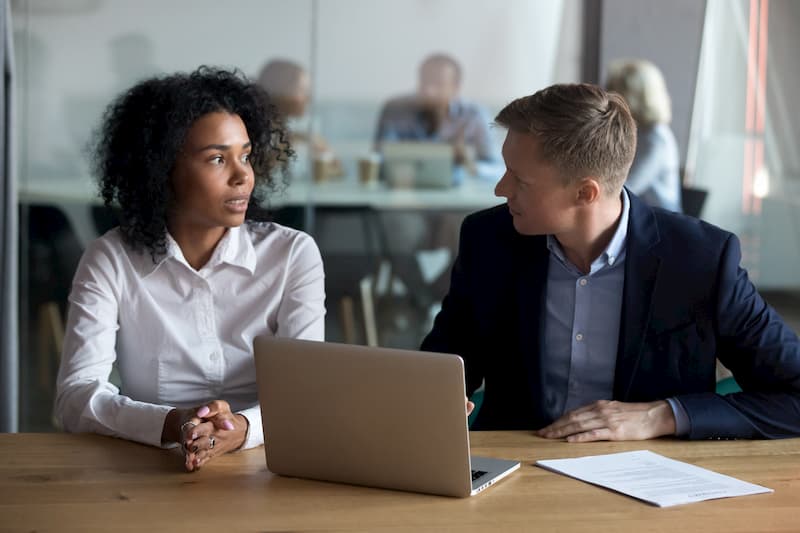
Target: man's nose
501,189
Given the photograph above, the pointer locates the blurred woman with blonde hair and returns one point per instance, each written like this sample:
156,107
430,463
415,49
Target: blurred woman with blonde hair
654,175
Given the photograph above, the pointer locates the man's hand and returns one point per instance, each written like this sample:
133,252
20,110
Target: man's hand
470,406
610,420
461,154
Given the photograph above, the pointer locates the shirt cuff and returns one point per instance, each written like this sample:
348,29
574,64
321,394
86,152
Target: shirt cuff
682,424
255,433
144,423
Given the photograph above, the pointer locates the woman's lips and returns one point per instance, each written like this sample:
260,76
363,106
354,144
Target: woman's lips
238,204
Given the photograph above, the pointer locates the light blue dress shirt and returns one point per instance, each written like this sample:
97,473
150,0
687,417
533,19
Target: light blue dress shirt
402,119
582,325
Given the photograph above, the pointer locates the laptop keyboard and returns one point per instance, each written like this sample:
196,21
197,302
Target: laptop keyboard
477,473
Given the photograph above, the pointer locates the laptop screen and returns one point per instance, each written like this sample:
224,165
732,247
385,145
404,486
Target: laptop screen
418,165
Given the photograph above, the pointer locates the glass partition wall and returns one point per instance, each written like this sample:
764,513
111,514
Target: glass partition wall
73,57
387,245
743,146
376,63
376,180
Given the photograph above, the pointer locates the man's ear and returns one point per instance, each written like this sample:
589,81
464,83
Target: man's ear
589,191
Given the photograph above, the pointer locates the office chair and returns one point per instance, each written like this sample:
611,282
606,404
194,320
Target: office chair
51,251
692,200
726,383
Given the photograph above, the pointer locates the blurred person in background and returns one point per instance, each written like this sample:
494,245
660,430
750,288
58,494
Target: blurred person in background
655,173
436,113
289,86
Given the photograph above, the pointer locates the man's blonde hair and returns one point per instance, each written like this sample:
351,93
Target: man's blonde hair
582,130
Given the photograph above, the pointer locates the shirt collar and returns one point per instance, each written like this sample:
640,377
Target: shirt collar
235,248
616,247
612,252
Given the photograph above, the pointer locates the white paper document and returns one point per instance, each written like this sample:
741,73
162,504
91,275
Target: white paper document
653,478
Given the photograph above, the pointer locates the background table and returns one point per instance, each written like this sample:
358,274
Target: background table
76,196
58,482
472,194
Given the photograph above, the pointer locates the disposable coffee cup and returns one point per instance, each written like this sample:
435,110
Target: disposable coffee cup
322,167
368,167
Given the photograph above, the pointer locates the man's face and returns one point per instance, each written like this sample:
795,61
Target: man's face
537,198
438,85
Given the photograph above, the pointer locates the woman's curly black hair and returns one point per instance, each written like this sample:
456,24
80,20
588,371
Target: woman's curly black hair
144,129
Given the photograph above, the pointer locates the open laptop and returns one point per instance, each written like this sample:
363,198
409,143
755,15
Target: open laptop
369,416
417,165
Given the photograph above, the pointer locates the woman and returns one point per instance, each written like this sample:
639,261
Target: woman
655,174
176,294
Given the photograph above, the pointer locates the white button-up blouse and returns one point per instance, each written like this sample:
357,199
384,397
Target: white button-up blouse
182,337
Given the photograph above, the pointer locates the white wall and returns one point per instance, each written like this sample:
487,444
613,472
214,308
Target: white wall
371,49
75,55
668,34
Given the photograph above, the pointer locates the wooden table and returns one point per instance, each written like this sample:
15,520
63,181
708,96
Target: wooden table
57,482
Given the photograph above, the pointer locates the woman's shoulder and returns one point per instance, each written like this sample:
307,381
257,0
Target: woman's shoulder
110,243
657,141
261,231
657,133
105,260
277,239
112,251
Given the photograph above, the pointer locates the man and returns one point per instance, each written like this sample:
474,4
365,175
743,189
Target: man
288,85
436,113
592,316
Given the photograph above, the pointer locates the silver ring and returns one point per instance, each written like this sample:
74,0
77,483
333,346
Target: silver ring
188,422
211,442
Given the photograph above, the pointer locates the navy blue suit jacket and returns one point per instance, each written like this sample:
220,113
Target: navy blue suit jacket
686,302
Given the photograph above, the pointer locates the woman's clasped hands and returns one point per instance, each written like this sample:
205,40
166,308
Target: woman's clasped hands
209,431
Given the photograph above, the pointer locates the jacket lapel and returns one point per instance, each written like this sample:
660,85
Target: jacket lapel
531,274
641,271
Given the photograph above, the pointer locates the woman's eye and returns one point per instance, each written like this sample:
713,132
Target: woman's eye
217,160
246,158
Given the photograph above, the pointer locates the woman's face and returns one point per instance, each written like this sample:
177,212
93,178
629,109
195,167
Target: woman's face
212,178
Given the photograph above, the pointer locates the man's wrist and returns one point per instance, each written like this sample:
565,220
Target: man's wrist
665,418
682,423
